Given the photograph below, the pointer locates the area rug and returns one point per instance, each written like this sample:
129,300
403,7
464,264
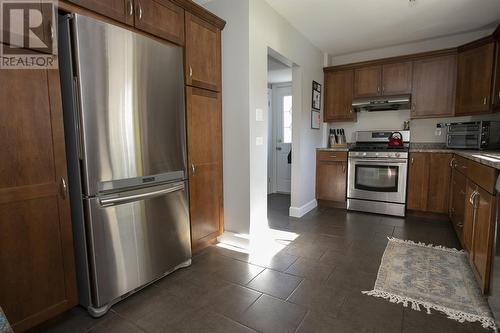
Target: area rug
431,277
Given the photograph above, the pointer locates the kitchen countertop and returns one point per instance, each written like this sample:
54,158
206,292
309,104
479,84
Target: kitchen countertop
332,149
489,158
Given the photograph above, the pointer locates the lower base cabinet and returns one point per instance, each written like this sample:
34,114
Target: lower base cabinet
472,212
331,178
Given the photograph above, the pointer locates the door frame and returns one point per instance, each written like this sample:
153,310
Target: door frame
274,140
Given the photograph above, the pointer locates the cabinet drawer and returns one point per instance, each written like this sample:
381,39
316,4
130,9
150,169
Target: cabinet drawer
332,156
482,175
460,164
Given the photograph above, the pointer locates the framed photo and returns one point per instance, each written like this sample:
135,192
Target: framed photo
315,119
316,96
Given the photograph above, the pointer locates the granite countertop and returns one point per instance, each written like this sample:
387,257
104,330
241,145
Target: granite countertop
332,149
489,158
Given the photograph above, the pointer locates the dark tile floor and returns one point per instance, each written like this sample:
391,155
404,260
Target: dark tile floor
307,278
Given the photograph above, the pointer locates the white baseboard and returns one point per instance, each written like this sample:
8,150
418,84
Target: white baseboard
303,210
233,239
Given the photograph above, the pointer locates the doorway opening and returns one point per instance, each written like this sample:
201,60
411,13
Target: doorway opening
280,110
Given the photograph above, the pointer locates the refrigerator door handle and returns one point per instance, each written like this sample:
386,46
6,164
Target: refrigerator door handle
117,199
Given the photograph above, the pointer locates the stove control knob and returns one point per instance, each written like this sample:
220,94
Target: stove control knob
397,154
364,154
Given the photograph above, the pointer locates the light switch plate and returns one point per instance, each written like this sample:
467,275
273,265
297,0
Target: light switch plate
259,141
259,115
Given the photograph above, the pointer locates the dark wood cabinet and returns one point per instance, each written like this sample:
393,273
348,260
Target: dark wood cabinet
331,177
496,80
433,88
203,57
482,242
36,243
204,133
438,194
397,78
418,181
429,178
120,10
388,79
457,202
367,81
338,96
474,81
161,18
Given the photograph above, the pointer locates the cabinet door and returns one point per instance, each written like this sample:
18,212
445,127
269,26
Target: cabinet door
204,128
458,202
36,243
469,215
120,10
483,236
367,81
331,181
338,96
396,78
433,88
474,83
418,181
203,59
439,183
496,84
161,18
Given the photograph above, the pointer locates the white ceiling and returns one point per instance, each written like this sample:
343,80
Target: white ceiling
346,26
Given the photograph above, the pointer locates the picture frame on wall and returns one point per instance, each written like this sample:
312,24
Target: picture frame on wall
315,119
316,96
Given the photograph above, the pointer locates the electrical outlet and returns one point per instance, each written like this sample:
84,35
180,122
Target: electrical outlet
259,115
438,132
259,141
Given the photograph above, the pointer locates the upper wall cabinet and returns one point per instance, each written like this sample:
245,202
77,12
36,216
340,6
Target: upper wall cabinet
433,88
367,81
474,82
496,78
120,10
203,58
388,79
161,18
338,96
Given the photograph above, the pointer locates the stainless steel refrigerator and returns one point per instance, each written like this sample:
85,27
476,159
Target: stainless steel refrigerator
124,114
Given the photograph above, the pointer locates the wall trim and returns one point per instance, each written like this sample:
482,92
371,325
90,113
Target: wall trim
303,210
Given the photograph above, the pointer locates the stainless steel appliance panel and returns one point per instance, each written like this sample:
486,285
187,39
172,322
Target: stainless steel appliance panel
131,99
377,179
136,237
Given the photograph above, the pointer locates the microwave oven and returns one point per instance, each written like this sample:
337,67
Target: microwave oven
483,135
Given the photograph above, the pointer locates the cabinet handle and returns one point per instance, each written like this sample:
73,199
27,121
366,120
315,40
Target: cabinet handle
51,27
462,192
485,100
130,8
452,162
474,202
343,168
193,169
350,110
333,156
64,188
190,71
460,225
140,10
413,107
412,160
499,96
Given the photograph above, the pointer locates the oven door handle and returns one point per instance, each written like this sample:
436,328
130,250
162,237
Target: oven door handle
379,161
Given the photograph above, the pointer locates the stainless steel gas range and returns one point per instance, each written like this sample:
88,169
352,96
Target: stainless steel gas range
377,173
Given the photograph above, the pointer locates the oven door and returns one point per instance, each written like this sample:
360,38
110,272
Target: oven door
377,179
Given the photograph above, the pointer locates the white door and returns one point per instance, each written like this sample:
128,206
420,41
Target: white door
283,137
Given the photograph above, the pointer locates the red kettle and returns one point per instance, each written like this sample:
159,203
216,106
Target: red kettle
396,140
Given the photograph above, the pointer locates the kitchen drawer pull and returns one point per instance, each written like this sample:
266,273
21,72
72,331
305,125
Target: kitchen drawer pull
333,156
64,188
130,8
485,100
140,10
452,162
460,225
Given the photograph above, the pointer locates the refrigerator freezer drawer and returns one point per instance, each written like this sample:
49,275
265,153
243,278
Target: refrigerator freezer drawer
135,238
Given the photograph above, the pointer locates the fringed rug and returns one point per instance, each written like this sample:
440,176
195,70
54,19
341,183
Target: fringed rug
431,277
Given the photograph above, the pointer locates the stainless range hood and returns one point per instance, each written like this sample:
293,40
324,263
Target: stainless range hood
382,103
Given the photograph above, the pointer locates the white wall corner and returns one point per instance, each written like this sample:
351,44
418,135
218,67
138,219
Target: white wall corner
298,212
